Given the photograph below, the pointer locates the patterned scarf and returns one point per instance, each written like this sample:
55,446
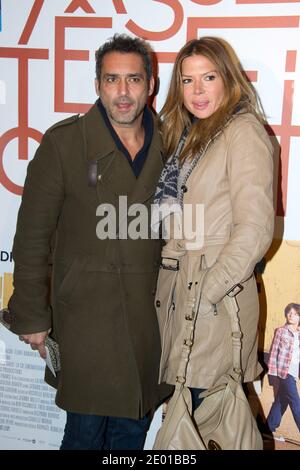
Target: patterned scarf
167,187
171,184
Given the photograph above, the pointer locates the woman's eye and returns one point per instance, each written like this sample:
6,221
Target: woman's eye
186,80
209,78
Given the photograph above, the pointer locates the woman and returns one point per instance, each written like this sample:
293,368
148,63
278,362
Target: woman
220,158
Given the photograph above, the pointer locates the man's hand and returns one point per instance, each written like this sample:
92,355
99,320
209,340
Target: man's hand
36,341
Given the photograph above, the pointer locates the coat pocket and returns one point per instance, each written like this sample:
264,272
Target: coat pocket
71,279
206,307
227,305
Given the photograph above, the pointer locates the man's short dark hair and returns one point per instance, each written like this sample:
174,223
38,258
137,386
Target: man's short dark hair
289,307
125,44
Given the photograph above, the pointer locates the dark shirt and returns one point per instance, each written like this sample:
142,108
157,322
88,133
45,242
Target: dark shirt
140,158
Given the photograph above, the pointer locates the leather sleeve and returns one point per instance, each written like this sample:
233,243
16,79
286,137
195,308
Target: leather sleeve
250,173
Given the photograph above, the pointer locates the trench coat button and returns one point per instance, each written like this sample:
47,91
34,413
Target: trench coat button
157,303
99,177
184,188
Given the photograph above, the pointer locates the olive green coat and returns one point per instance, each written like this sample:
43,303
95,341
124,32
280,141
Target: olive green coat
102,292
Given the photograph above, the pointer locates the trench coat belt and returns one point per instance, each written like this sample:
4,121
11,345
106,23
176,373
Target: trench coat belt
180,249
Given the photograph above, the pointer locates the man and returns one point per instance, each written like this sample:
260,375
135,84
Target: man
102,290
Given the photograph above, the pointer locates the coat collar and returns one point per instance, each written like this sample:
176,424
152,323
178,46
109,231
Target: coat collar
97,138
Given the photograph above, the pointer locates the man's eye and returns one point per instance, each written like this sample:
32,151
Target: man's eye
134,79
111,79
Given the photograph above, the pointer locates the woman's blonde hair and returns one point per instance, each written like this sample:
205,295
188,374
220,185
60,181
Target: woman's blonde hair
238,94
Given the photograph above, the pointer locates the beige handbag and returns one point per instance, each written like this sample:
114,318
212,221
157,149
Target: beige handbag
224,420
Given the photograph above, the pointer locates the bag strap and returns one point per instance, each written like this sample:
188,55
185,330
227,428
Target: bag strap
191,314
236,336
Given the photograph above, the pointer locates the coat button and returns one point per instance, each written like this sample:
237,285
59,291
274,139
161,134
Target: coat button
184,188
157,303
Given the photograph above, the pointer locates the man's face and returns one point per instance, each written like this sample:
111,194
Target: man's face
123,88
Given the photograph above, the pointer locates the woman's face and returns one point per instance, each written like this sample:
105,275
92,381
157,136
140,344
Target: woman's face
203,88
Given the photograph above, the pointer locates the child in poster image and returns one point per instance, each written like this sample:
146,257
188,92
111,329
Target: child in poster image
284,364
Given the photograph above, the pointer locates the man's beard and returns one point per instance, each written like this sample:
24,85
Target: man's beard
125,118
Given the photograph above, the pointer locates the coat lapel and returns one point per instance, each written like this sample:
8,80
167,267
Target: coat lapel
114,173
147,181
101,155
97,139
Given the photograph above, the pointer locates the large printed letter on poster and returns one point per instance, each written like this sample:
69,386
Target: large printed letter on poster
47,72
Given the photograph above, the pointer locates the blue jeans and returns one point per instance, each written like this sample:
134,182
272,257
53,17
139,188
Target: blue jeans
195,397
90,432
287,394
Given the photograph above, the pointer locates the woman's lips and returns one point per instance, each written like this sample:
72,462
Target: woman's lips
201,105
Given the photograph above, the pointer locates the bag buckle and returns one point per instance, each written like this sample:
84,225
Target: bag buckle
171,264
180,379
235,290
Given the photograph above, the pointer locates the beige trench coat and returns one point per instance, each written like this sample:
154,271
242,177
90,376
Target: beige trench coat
233,180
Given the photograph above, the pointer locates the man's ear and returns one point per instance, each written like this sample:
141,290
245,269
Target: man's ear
151,86
97,86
